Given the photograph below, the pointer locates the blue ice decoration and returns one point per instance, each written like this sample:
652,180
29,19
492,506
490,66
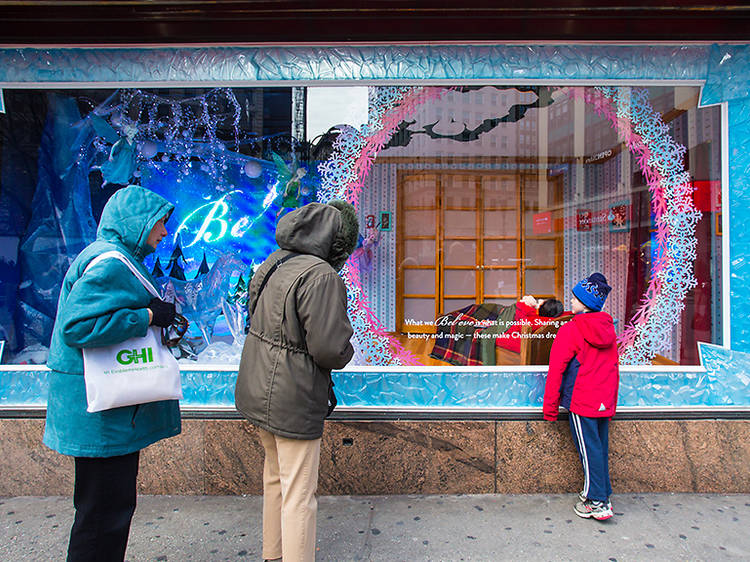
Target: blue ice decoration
473,388
62,224
121,163
718,361
728,80
14,215
266,63
202,300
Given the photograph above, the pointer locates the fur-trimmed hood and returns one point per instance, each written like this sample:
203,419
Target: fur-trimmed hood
328,231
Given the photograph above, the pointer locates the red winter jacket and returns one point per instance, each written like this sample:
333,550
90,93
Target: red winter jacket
584,374
511,338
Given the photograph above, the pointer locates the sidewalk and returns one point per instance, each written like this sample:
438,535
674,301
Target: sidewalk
409,528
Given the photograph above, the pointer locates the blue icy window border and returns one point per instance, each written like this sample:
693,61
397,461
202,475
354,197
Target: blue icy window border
723,70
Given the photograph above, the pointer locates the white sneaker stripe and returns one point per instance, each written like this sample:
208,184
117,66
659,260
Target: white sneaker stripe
584,453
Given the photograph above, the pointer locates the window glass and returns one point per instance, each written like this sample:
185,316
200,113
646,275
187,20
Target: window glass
482,195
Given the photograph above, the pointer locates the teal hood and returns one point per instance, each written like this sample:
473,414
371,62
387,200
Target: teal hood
129,216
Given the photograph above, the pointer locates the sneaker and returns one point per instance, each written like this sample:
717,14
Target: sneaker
590,508
582,498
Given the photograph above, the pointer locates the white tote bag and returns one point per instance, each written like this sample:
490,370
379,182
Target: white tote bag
135,371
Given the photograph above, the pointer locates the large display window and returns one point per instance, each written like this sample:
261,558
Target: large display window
478,201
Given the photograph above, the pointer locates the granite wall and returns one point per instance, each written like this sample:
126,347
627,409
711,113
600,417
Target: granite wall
370,458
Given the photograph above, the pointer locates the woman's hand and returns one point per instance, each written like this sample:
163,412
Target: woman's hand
161,313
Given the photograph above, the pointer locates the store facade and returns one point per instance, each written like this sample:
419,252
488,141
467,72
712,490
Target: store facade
481,173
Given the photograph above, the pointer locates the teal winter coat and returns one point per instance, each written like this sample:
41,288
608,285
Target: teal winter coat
105,306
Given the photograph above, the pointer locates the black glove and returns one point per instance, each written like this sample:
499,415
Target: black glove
164,312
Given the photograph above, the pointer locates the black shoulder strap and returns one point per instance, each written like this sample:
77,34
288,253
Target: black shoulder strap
270,271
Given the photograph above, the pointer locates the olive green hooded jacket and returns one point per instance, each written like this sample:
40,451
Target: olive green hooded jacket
299,330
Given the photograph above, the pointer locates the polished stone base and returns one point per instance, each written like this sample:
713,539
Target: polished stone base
224,457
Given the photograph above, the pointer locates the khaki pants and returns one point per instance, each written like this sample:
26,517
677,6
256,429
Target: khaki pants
290,509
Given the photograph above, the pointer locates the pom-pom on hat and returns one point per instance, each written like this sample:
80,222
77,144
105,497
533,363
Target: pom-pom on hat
592,291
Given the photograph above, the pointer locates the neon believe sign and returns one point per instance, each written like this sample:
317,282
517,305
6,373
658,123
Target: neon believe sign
212,221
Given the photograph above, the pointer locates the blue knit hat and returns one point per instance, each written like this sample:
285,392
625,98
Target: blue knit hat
592,291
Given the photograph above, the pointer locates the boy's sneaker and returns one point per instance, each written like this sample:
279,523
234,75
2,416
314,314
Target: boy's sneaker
590,508
582,498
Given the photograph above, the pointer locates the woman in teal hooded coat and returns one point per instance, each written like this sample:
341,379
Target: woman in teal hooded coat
105,306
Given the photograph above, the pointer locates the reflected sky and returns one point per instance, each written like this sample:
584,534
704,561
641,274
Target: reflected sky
329,106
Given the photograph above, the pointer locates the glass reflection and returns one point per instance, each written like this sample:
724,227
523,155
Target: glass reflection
481,196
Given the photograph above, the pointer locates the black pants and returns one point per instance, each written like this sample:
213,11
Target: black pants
104,498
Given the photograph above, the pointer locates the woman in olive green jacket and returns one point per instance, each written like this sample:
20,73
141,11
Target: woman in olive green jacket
299,331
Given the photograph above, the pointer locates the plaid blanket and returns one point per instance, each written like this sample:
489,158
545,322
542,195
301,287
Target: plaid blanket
488,335
455,340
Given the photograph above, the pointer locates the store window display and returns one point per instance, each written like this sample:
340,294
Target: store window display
495,191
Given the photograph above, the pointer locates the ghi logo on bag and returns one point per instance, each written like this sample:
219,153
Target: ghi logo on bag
133,357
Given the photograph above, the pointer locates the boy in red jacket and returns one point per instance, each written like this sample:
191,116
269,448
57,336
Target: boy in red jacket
584,377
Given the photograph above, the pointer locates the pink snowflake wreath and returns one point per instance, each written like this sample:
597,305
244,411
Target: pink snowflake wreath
660,159
343,176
